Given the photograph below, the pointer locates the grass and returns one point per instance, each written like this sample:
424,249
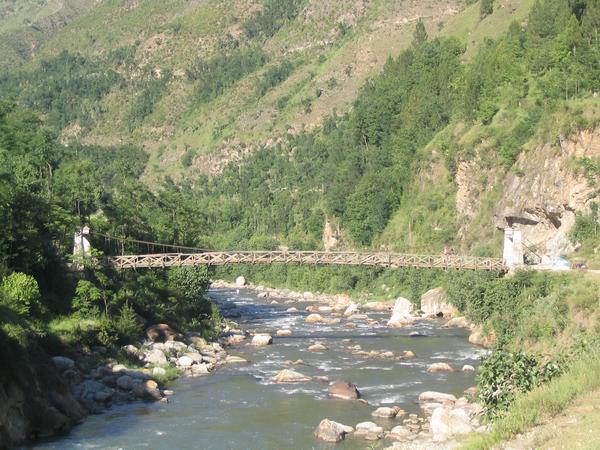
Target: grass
546,401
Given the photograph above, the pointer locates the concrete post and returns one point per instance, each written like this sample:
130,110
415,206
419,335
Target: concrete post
81,247
513,247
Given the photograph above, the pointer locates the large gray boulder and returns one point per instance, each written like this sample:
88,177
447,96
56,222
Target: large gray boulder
433,303
262,340
155,357
240,281
330,431
402,313
344,390
447,422
63,363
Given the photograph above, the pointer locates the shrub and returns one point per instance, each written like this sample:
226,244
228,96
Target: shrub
126,325
21,293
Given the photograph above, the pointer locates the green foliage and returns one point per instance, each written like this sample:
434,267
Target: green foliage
126,325
274,15
20,293
223,71
503,375
420,34
586,226
486,7
274,75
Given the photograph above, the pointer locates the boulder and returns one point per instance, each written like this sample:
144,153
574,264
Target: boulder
457,322
368,430
314,318
63,363
161,332
446,422
292,309
433,303
478,337
440,367
308,295
401,314
125,382
378,306
438,397
351,310
325,309
240,281
468,368
408,354
184,361
175,346
330,431
317,348
230,359
387,412
155,357
284,332
399,433
200,369
344,390
130,350
290,376
261,340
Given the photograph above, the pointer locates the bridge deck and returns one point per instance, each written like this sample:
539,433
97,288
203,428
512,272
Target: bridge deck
307,257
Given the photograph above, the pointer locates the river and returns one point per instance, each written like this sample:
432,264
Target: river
239,407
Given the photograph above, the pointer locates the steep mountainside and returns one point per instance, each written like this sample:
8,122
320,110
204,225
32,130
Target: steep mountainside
201,83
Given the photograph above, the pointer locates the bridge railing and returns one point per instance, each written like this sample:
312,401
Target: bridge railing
378,259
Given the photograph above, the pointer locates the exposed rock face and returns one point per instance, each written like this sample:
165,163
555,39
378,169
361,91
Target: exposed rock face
401,314
331,235
162,332
433,303
34,400
330,431
478,337
544,196
344,390
457,322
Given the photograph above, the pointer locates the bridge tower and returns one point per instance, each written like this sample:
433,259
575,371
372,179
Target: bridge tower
81,247
513,248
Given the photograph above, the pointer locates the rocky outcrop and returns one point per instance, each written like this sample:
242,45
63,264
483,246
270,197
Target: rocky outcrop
433,303
35,402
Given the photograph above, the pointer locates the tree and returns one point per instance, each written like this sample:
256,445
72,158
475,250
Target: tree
486,7
420,34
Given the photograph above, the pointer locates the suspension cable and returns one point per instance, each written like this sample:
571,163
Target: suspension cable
148,243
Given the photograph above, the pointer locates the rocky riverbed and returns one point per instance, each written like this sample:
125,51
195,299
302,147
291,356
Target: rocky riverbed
298,370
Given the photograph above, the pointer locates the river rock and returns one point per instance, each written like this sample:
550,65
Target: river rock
261,340
387,412
290,376
358,317
330,431
344,390
200,369
240,281
401,314
472,391
378,306
125,382
368,430
184,361
478,337
317,348
197,341
262,295
292,309
161,332
408,354
351,309
399,433
446,422
325,309
284,333
314,318
230,359
341,302
63,363
130,350
457,322
438,397
308,295
175,346
440,367
468,368
433,303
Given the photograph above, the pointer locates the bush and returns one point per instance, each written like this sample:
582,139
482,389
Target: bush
21,293
126,325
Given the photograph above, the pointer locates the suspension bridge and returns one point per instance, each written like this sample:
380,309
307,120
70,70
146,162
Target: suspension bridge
145,254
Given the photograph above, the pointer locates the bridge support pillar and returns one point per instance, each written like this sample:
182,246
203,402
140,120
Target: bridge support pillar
81,247
513,248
